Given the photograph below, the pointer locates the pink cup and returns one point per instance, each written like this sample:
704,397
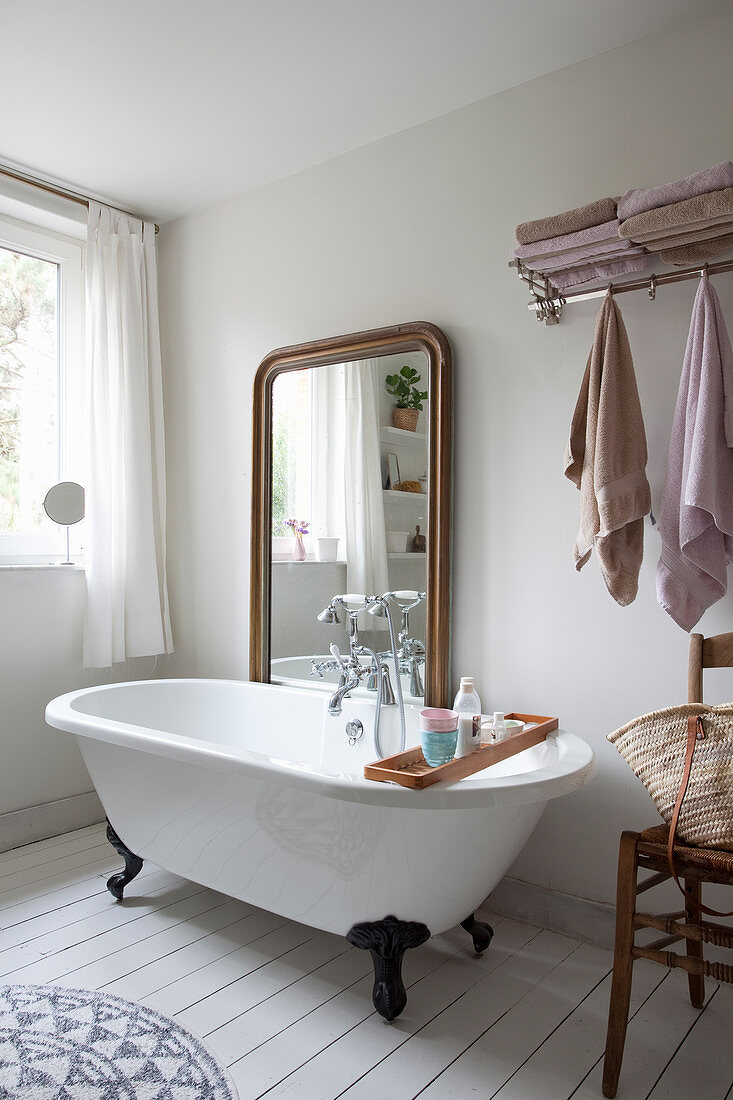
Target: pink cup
438,720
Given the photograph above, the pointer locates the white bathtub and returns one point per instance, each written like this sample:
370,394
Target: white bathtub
253,790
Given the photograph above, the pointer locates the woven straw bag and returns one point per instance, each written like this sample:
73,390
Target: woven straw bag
655,747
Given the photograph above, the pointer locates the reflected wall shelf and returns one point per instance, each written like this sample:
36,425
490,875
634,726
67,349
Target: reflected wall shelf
396,494
401,438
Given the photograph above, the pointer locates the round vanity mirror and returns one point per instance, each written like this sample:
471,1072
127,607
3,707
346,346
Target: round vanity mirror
64,504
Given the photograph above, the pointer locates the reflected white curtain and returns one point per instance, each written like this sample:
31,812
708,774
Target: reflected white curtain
327,453
127,599
366,544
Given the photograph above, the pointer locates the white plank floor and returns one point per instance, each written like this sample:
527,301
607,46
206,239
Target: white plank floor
288,1008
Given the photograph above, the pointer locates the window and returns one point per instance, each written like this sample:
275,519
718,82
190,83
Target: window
291,438
308,450
41,321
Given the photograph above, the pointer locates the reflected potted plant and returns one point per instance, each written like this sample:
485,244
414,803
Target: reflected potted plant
410,399
299,527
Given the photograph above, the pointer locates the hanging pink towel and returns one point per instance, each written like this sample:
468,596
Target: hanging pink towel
696,522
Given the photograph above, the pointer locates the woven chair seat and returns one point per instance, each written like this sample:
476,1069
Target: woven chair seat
653,842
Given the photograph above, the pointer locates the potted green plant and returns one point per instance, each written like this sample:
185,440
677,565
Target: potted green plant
410,399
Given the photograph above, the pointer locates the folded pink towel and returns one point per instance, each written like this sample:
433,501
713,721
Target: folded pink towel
606,459
583,256
571,221
596,234
710,179
696,520
576,276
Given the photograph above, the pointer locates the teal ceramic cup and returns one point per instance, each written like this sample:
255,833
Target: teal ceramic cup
438,747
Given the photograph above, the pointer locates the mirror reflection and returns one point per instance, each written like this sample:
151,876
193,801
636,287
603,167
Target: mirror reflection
349,494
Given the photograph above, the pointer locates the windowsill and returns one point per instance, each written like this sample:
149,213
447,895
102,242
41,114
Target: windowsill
75,567
307,561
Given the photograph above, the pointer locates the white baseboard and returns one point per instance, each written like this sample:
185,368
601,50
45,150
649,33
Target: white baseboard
592,921
52,818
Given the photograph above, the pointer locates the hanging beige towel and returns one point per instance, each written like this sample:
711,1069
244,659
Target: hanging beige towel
606,458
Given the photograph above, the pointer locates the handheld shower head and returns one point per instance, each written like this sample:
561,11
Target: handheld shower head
328,615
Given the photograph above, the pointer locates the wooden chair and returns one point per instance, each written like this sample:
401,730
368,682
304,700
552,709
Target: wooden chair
648,850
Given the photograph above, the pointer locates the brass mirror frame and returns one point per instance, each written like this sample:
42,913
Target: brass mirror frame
415,336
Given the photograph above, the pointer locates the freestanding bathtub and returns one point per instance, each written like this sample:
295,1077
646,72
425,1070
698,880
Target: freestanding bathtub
255,791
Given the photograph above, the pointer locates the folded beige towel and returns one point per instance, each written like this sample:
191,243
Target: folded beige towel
572,221
673,218
697,253
676,240
719,222
692,234
606,458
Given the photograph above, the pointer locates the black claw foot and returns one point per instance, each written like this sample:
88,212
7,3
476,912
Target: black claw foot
388,940
480,932
133,865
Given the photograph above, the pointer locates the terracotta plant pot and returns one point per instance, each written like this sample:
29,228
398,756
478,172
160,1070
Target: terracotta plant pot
405,419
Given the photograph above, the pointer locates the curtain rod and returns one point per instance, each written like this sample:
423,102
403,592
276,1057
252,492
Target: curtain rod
62,192
650,283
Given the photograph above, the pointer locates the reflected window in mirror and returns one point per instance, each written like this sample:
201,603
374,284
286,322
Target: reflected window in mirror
308,459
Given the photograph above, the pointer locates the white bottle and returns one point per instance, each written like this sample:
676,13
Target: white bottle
468,706
500,730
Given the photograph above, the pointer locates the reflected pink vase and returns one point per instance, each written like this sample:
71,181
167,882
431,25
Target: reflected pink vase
298,549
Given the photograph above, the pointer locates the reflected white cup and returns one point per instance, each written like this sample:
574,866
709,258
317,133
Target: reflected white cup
327,549
397,542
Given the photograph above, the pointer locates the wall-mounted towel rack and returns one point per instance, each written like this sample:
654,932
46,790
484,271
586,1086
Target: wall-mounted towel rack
548,303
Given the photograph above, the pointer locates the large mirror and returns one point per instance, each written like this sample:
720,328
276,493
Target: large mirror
352,498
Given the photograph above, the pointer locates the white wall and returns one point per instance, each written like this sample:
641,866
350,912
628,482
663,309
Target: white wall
419,226
40,657
300,591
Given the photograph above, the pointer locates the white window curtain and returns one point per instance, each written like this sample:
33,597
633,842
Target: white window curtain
127,599
366,542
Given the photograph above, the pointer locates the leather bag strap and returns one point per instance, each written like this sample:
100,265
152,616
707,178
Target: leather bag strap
695,733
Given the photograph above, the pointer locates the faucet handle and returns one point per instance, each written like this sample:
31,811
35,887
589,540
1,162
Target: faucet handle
407,598
335,652
353,601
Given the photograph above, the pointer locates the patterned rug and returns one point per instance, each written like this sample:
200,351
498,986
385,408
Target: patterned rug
76,1044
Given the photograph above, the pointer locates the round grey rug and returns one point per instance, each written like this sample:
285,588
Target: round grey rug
76,1044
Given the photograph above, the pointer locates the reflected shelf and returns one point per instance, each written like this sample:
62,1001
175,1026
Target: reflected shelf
398,494
401,438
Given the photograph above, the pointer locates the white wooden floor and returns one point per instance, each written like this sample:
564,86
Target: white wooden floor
288,1008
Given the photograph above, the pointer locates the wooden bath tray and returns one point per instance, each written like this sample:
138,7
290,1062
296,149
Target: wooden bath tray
409,769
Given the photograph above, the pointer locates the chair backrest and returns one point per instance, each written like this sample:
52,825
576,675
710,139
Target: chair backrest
715,652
